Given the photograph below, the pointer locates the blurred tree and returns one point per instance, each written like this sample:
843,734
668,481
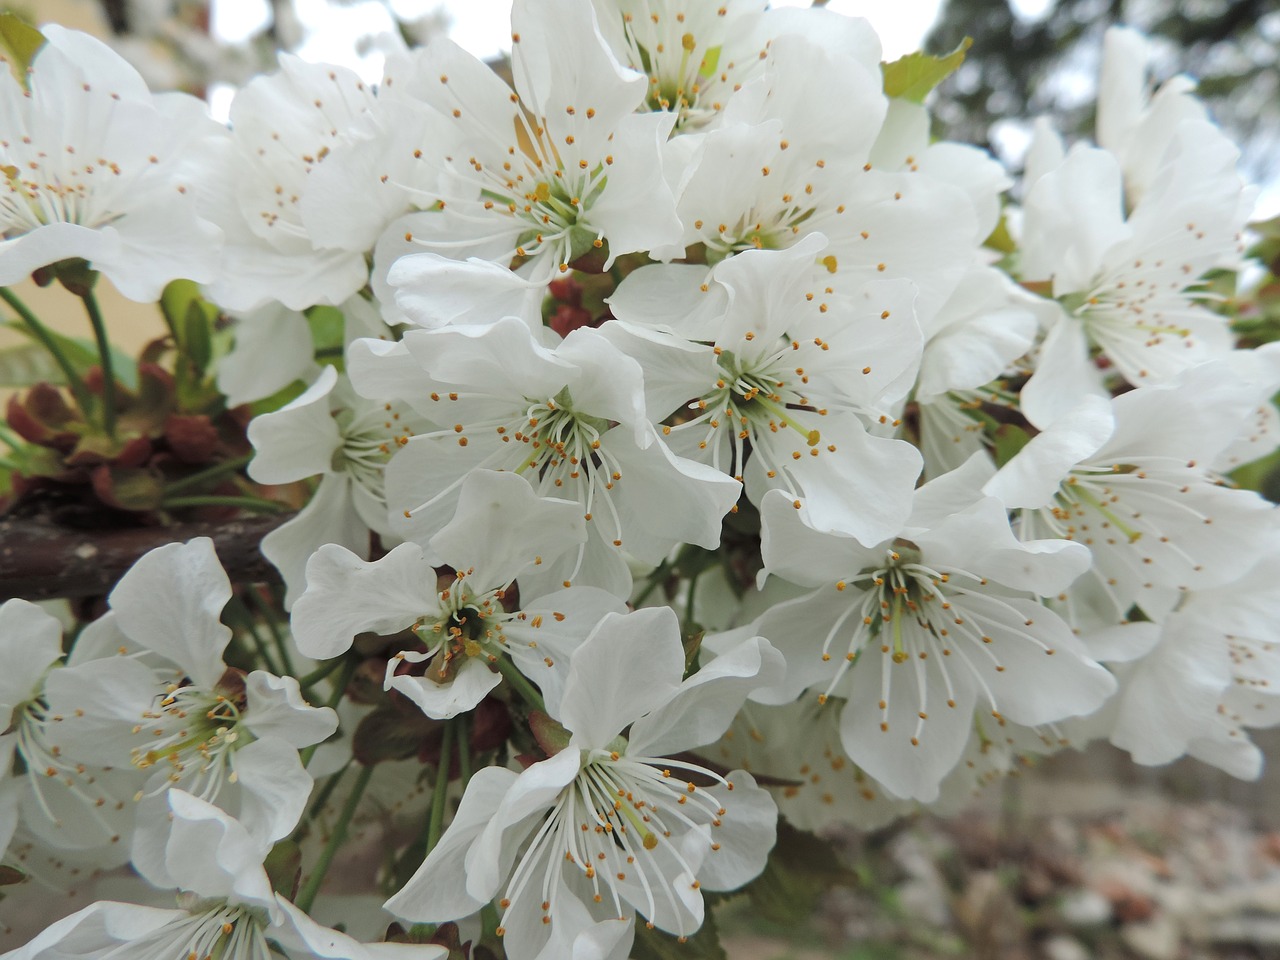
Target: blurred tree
1041,56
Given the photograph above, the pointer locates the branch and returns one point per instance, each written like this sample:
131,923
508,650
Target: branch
40,560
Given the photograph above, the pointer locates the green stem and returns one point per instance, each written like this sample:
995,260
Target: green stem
435,826
108,368
659,574
307,896
252,504
237,610
321,799
319,673
688,604
268,615
528,692
42,333
464,750
211,473
335,698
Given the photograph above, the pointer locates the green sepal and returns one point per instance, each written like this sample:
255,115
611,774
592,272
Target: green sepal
328,326
1010,440
284,868
551,736
913,77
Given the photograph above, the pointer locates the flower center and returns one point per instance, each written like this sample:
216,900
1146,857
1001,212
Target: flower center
193,732
619,825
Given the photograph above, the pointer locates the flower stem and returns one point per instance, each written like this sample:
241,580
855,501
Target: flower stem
252,504
210,473
319,673
435,826
321,799
528,692
464,750
307,896
43,334
660,573
268,614
104,355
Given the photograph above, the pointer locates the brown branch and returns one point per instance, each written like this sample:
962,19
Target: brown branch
40,560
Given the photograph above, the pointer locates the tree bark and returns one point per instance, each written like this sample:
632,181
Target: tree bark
42,561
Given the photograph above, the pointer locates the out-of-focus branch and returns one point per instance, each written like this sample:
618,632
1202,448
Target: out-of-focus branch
41,561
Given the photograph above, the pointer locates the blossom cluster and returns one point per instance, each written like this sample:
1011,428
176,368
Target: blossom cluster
704,443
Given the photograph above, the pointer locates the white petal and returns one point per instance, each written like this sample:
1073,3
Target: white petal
438,890
346,595
630,665
275,709
171,602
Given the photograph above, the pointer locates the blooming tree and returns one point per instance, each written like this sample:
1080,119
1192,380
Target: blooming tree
553,485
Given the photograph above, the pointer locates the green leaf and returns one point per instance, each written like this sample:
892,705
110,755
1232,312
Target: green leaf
11,875
19,42
83,354
1001,239
28,364
1009,441
656,945
912,77
801,868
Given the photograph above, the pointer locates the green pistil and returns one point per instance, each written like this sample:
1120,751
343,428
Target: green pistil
1084,494
812,437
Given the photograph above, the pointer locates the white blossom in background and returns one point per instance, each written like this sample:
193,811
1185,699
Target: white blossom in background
97,168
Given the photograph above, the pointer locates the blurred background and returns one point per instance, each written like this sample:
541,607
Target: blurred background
1084,855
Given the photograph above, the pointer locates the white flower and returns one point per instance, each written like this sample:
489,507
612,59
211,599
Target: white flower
1219,642
923,630
696,55
228,908
94,168
547,172
168,705
777,368
571,421
468,616
1135,124
609,825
